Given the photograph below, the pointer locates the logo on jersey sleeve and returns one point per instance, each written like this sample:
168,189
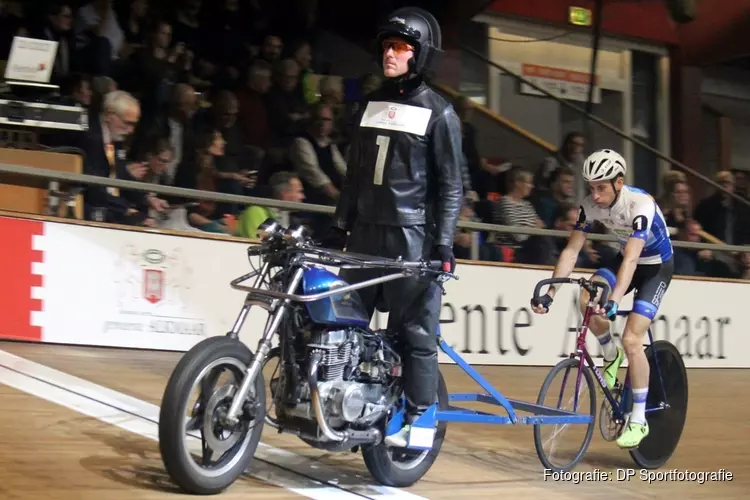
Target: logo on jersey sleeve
640,227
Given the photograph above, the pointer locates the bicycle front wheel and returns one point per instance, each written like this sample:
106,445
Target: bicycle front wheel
558,391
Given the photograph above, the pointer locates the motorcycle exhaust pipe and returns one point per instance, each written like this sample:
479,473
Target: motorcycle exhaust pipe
312,379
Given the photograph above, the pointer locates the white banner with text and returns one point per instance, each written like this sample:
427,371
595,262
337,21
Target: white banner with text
85,285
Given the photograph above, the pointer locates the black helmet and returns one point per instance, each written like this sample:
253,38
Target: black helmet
420,29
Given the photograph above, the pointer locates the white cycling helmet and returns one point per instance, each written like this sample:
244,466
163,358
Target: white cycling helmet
603,165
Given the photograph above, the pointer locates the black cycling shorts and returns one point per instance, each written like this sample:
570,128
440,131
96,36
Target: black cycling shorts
650,282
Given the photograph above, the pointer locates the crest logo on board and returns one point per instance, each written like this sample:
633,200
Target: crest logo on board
153,285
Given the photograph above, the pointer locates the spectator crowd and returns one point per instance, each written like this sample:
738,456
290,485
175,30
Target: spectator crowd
233,97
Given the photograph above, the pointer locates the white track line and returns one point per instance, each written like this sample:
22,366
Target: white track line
97,401
265,472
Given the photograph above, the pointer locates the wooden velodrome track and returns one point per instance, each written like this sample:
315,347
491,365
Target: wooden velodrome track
79,423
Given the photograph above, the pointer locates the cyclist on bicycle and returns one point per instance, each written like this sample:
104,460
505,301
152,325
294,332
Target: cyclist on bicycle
644,264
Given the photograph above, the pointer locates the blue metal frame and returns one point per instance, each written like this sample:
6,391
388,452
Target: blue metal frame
540,414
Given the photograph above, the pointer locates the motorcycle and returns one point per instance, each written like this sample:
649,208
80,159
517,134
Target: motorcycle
337,386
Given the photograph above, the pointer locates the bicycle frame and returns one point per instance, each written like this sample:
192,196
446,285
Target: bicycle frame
618,408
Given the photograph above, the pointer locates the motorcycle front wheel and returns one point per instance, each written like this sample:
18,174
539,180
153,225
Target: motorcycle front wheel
200,454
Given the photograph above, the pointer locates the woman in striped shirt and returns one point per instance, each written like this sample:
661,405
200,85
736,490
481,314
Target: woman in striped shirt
514,210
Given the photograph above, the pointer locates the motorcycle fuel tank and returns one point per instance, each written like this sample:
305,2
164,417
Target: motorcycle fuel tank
344,309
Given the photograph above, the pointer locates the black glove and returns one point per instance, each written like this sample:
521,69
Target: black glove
334,239
544,301
446,256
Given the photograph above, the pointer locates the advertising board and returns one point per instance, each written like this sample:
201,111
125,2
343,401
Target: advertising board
85,285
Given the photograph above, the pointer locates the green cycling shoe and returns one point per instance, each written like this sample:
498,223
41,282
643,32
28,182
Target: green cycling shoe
611,367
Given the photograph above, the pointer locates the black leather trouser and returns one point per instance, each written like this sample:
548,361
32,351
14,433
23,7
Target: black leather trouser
413,304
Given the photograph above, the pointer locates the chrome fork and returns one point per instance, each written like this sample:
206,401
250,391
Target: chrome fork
264,345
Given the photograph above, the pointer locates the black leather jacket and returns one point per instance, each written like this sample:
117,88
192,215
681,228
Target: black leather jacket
404,166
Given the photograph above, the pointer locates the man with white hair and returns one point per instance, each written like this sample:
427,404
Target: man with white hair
107,157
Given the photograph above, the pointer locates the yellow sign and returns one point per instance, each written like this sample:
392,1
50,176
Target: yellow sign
579,16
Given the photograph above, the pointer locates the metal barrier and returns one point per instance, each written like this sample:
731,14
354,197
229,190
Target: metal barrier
46,175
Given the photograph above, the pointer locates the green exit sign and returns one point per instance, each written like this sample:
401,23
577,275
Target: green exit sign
579,16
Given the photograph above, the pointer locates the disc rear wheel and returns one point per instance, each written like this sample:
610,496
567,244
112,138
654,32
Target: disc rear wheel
665,415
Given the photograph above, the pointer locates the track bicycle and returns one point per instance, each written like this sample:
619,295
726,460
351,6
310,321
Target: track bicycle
666,406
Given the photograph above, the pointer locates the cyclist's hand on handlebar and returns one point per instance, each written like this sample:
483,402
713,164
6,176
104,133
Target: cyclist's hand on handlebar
541,306
609,309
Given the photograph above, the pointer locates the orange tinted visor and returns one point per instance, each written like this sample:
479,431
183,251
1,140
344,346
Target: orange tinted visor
398,46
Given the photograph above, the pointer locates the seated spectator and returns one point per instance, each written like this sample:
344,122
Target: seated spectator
285,186
156,67
546,249
671,177
77,90
133,16
156,155
571,155
100,86
692,262
253,115
676,205
317,160
332,93
201,174
177,126
105,156
464,238
232,174
301,53
57,27
562,183
722,216
514,210
271,49
287,111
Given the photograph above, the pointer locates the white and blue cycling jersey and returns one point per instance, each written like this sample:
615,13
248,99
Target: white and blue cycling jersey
635,214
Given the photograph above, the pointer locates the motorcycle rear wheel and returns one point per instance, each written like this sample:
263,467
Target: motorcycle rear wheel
402,468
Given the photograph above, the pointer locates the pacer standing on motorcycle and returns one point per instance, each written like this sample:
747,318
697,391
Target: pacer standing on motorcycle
402,195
